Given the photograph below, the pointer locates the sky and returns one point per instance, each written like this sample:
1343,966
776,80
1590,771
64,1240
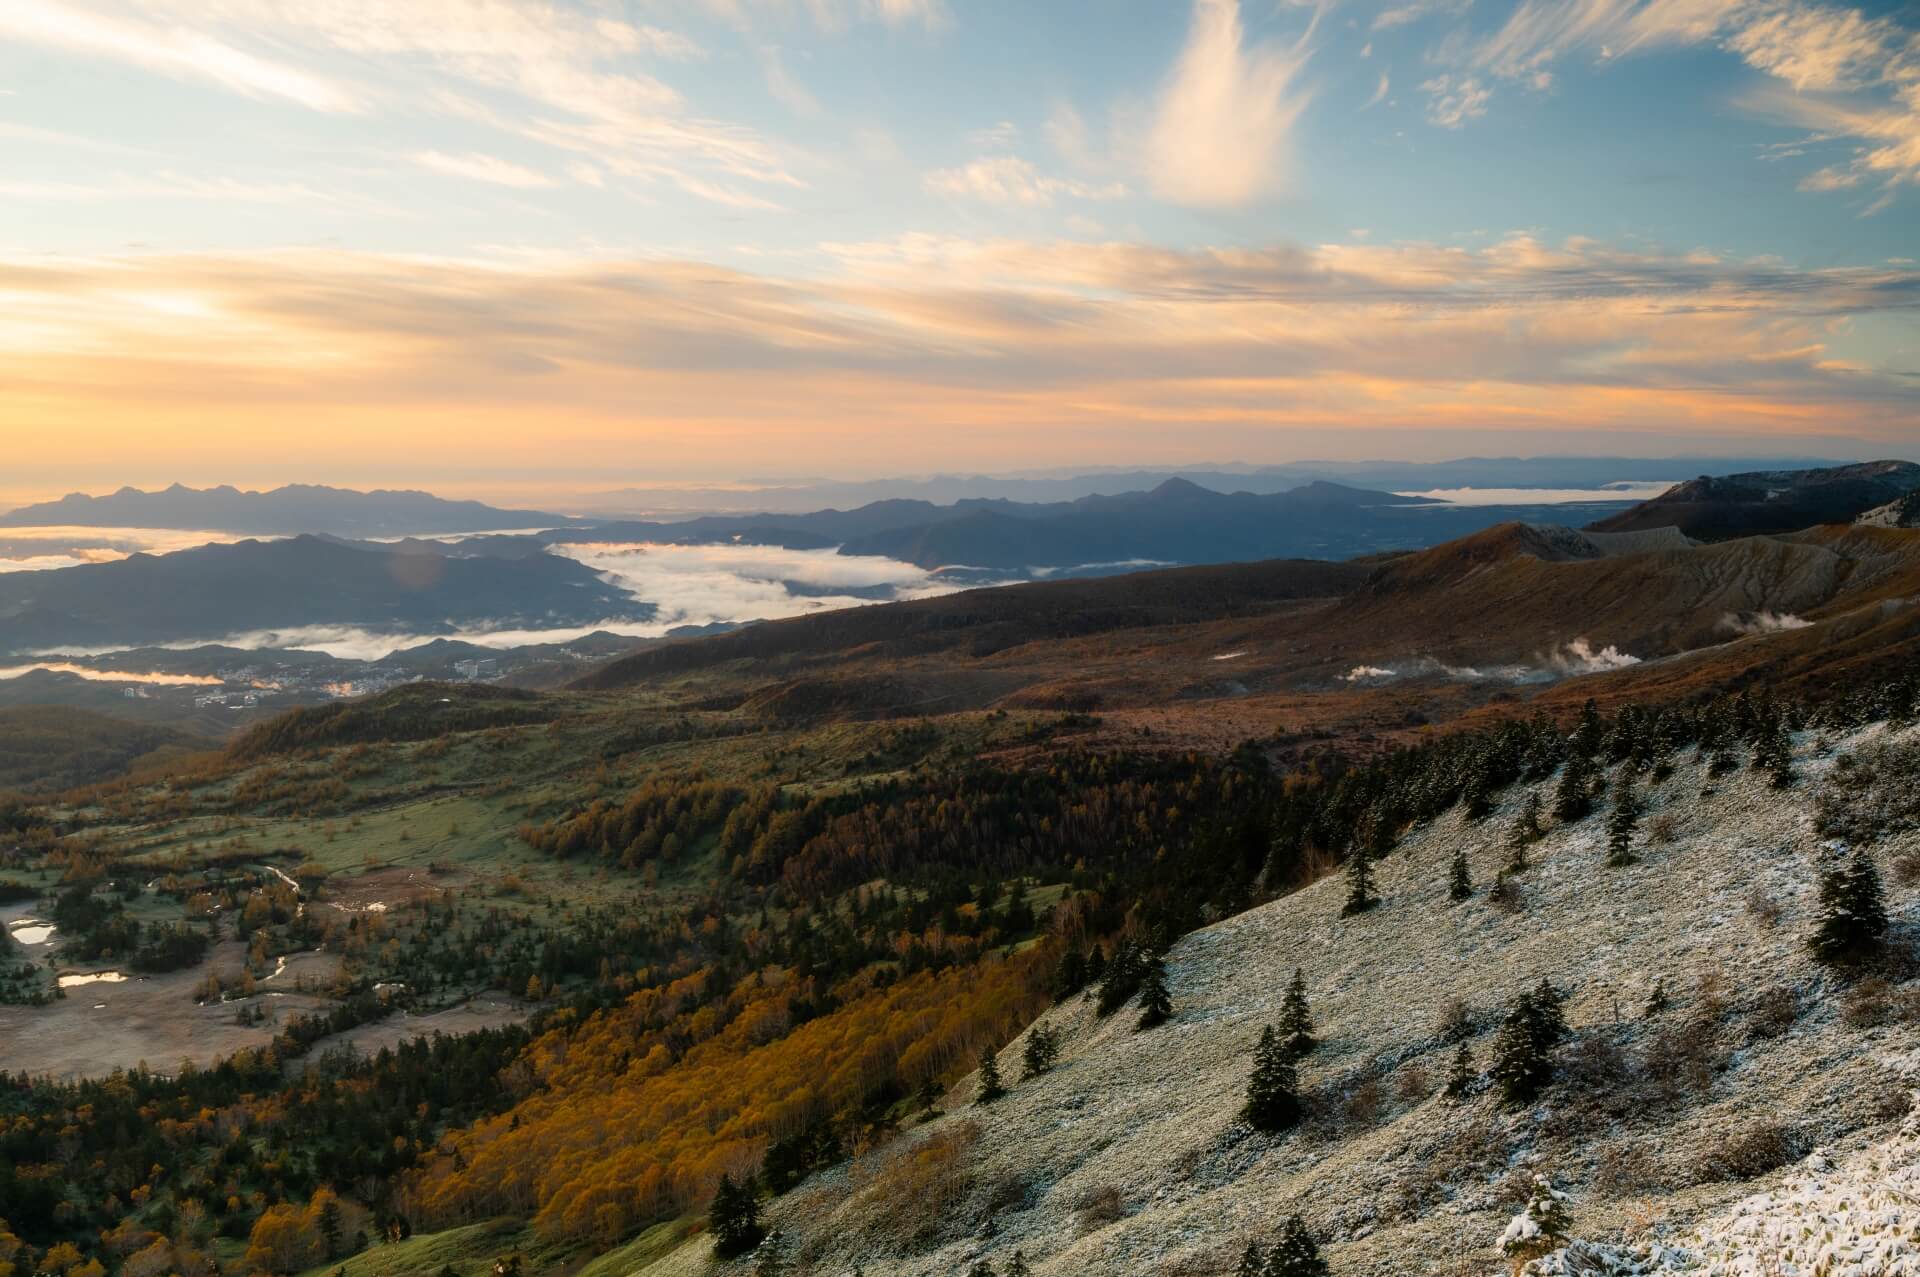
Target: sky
509,248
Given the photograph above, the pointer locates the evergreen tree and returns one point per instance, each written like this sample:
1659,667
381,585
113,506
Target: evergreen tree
991,1088
1549,1012
1122,979
770,1257
1042,1049
1523,1049
1657,1000
980,1268
1623,821
1586,738
1459,879
1773,750
1295,1254
1296,1018
1573,799
1253,1262
1071,976
1853,912
1155,1002
1272,1104
1476,799
1541,1228
1018,1267
928,1093
734,1217
1461,1076
1360,897
1523,833
330,1227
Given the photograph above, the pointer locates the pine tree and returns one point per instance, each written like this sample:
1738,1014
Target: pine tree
1253,1262
330,1227
1773,750
770,1257
1018,1267
1360,897
928,1093
980,1268
991,1088
1272,1104
734,1217
1459,879
1586,738
1295,1254
1573,799
1523,833
1657,999
1155,1002
1071,976
1041,1050
1853,912
1122,979
1623,821
1476,799
1461,1077
1522,1051
1296,1018
1541,1228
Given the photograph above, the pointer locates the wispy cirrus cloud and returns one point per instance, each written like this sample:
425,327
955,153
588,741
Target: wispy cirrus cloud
167,48
482,168
1008,179
575,78
1225,115
1847,75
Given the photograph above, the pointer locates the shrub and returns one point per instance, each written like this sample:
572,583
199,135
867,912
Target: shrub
1456,1021
1871,793
1095,1208
1775,1011
1626,1168
1746,1153
1763,908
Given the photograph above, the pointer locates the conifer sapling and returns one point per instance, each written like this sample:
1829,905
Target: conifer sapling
1295,1254
1461,1076
991,1088
1296,1018
1541,1228
1459,879
1155,1002
1623,821
1360,897
1272,1104
1853,912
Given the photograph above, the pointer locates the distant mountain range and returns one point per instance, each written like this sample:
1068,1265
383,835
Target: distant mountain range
217,590
1412,476
1177,522
1713,508
291,509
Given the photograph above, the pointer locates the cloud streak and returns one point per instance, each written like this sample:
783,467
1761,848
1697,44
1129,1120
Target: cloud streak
1226,113
993,343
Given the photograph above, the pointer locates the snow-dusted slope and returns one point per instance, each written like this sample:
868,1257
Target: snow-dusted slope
1129,1157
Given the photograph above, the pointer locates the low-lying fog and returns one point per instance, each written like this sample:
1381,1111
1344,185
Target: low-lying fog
691,585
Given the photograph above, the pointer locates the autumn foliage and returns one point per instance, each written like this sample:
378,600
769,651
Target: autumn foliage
637,1112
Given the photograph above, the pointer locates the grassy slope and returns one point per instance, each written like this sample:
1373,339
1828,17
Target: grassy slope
1153,1114
45,748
